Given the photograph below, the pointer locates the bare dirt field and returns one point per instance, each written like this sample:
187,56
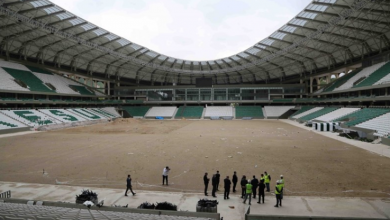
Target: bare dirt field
102,156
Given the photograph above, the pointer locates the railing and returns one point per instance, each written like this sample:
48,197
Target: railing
5,195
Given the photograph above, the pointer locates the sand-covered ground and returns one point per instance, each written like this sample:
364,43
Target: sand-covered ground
102,155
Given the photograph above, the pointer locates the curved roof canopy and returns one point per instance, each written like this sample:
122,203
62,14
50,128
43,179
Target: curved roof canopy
326,34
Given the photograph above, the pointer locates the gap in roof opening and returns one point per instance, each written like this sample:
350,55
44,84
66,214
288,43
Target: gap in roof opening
192,29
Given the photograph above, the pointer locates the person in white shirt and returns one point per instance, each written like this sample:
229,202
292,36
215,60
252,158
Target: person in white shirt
165,174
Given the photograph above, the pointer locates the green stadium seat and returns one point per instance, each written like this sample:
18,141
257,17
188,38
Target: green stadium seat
375,76
136,111
249,111
362,116
303,109
340,81
28,78
317,114
194,112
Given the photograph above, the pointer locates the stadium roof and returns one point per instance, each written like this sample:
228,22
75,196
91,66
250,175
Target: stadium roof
326,34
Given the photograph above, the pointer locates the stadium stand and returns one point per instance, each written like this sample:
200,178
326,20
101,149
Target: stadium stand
193,112
7,82
376,76
362,116
30,117
112,111
380,124
276,111
136,111
219,111
102,112
166,112
62,115
366,72
384,80
249,111
301,110
9,123
340,81
336,114
16,211
29,79
84,113
318,113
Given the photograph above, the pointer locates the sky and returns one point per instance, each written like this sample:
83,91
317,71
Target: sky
189,29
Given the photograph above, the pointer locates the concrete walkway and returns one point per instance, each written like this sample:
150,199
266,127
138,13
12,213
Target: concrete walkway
229,209
381,149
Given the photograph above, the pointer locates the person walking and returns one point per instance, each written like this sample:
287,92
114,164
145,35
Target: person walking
255,183
281,181
206,181
243,185
165,174
278,192
267,180
128,186
248,192
218,178
234,180
214,184
261,191
227,184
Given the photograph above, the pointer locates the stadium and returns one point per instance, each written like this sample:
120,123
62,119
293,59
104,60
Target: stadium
82,108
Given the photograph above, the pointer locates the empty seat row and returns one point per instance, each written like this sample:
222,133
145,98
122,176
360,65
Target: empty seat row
336,114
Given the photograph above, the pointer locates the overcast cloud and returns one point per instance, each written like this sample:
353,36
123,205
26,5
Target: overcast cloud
189,29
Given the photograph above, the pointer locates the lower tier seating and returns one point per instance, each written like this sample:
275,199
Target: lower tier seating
336,114
276,111
112,111
219,111
9,123
302,110
31,118
136,111
62,115
86,114
380,124
249,111
362,116
318,113
194,112
166,112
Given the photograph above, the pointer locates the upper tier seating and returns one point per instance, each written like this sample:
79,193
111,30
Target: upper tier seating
317,114
112,111
380,124
376,76
87,114
276,111
363,73
28,78
336,114
9,123
249,111
62,115
7,82
60,83
136,111
194,112
166,112
12,65
219,111
362,116
302,110
340,81
385,79
16,211
31,118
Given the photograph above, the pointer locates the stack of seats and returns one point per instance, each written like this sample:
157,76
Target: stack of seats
362,116
302,110
165,112
249,111
379,124
136,111
87,114
193,112
318,113
219,111
375,77
336,114
9,123
276,111
366,72
31,118
62,115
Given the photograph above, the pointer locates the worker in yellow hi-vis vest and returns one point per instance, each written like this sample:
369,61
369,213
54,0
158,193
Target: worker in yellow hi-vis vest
278,192
281,183
248,192
267,180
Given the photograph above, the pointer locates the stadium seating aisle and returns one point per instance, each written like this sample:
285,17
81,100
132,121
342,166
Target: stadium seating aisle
380,124
30,117
219,111
249,111
336,114
193,112
166,112
276,111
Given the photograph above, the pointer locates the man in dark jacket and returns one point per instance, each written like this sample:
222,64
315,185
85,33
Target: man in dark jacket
218,178
235,180
243,186
255,183
227,184
214,183
128,186
261,190
206,181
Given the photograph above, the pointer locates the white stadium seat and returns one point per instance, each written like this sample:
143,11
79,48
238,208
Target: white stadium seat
167,112
336,114
276,111
221,111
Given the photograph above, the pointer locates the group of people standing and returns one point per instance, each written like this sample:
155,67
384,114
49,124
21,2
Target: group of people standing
249,187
